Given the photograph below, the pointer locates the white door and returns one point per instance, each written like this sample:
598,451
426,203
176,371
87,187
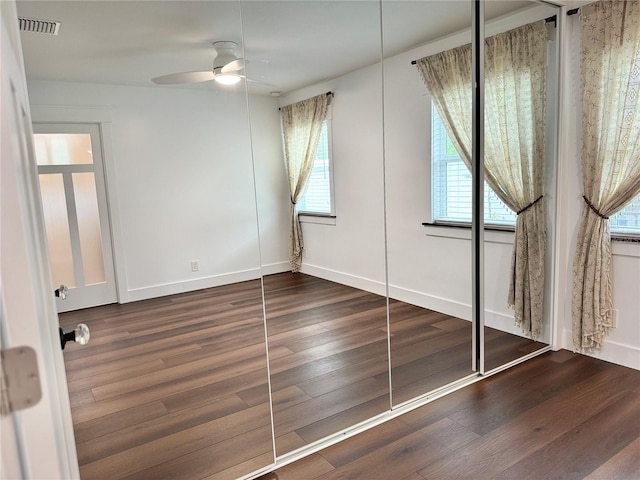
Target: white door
39,438
74,201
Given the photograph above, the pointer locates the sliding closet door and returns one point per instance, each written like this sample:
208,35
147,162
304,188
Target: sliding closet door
326,323
172,384
520,81
428,193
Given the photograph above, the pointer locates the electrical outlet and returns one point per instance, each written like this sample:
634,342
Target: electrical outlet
614,318
195,265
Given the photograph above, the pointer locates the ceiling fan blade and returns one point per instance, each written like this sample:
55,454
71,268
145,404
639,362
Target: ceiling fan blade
184,77
234,66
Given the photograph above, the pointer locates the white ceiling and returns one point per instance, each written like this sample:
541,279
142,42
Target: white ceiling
289,44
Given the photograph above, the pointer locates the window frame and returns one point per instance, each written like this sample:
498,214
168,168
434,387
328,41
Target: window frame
624,235
437,169
309,216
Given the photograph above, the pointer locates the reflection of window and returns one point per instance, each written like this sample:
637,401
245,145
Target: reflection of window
317,196
627,220
451,184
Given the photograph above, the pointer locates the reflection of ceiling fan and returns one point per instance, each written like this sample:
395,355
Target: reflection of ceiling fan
226,68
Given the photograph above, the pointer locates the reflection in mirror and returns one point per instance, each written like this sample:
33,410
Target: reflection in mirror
428,123
326,324
429,266
521,88
173,383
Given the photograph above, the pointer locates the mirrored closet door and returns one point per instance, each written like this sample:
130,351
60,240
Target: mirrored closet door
520,110
171,384
429,185
294,252
326,323
428,207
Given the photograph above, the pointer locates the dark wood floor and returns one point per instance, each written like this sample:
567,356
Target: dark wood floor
557,416
176,387
172,388
337,373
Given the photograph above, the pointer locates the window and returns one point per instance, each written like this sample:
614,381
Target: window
627,220
317,196
451,184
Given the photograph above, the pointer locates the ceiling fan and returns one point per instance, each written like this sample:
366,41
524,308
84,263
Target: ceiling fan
226,68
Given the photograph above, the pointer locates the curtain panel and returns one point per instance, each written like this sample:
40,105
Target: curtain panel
610,65
301,128
515,88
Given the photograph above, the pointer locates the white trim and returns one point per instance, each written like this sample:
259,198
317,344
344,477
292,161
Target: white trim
614,352
355,281
565,149
66,114
117,240
172,288
490,236
273,268
625,249
315,218
47,425
493,319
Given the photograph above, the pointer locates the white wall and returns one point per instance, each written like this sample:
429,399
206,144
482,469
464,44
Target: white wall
271,184
352,250
181,172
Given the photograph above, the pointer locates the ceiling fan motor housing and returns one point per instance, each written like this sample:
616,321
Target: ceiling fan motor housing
225,54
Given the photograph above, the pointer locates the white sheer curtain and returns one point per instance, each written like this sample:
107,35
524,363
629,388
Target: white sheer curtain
610,66
301,128
515,85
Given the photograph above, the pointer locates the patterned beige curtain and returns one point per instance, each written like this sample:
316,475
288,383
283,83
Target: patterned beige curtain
301,127
515,85
610,156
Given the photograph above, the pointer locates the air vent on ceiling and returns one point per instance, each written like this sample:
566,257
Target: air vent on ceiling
39,26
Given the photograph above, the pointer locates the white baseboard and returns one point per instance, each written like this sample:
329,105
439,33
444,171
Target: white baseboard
500,321
274,268
362,283
162,290
614,352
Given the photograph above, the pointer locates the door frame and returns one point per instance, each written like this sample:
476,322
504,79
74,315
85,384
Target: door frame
44,440
100,116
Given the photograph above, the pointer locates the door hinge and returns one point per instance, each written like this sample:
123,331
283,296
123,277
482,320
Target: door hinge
19,379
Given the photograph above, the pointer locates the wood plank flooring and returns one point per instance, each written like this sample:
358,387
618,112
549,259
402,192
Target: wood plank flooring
176,387
557,416
172,388
339,364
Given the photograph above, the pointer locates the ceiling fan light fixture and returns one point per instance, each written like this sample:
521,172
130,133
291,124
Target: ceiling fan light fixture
227,78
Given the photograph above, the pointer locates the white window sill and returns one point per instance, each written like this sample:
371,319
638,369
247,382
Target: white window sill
319,218
618,248
625,249
464,233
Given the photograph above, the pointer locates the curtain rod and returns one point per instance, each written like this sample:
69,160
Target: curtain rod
328,94
548,20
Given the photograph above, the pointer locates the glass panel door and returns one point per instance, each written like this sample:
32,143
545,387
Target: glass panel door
74,202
